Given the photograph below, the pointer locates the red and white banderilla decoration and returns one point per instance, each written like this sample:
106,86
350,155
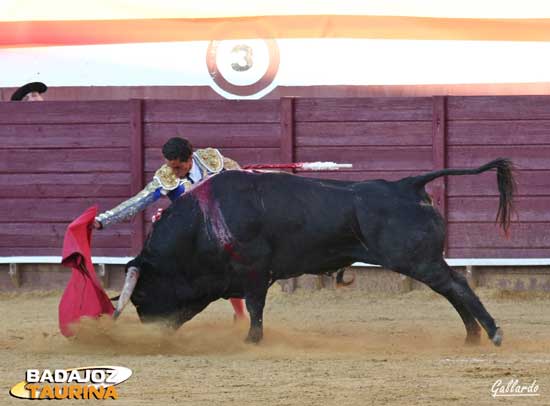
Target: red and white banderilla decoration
304,166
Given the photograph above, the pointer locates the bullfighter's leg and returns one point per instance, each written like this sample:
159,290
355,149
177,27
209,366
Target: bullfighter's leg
450,284
238,308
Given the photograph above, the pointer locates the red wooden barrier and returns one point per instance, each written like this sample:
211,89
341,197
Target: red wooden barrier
136,170
438,187
515,127
57,158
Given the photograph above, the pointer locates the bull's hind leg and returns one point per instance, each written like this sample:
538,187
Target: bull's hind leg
450,284
473,331
472,303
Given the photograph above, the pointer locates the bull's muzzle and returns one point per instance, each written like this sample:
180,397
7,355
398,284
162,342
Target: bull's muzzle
129,284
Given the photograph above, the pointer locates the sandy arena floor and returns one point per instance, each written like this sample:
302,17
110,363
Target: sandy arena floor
320,348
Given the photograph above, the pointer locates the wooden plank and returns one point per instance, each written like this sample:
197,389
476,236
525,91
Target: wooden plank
530,183
364,109
244,156
523,157
136,169
287,130
468,209
498,108
42,209
70,160
65,112
249,156
499,253
214,134
63,135
488,235
371,158
50,251
211,111
439,158
52,234
330,134
44,185
505,132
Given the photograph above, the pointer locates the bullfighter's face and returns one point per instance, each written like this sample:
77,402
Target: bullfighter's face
181,169
33,96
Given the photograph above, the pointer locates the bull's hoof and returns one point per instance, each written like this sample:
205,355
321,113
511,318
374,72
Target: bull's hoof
254,337
497,337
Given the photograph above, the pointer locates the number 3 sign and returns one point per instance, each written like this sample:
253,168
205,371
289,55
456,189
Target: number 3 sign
243,69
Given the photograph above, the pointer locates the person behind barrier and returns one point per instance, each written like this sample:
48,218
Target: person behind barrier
30,92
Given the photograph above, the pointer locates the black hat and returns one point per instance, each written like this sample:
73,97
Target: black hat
24,90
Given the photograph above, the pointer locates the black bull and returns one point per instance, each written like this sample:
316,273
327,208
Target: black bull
238,232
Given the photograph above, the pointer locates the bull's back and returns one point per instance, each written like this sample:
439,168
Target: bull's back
279,204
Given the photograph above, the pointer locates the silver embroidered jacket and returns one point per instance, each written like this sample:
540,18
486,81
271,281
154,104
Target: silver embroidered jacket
206,162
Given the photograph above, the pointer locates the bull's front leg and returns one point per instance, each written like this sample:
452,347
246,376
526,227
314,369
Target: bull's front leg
187,312
255,307
255,302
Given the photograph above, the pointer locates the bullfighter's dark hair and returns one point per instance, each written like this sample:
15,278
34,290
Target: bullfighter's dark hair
177,148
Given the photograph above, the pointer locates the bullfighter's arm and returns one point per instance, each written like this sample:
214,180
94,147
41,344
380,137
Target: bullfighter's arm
132,206
163,183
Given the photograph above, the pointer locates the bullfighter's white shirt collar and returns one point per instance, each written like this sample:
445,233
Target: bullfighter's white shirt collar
195,173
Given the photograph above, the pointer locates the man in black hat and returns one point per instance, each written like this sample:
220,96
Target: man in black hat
30,92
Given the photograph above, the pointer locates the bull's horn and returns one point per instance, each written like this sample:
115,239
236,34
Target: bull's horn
129,284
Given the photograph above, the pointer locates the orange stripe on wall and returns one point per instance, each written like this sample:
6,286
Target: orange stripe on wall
45,33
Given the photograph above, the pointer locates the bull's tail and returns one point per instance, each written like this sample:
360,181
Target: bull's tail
505,180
